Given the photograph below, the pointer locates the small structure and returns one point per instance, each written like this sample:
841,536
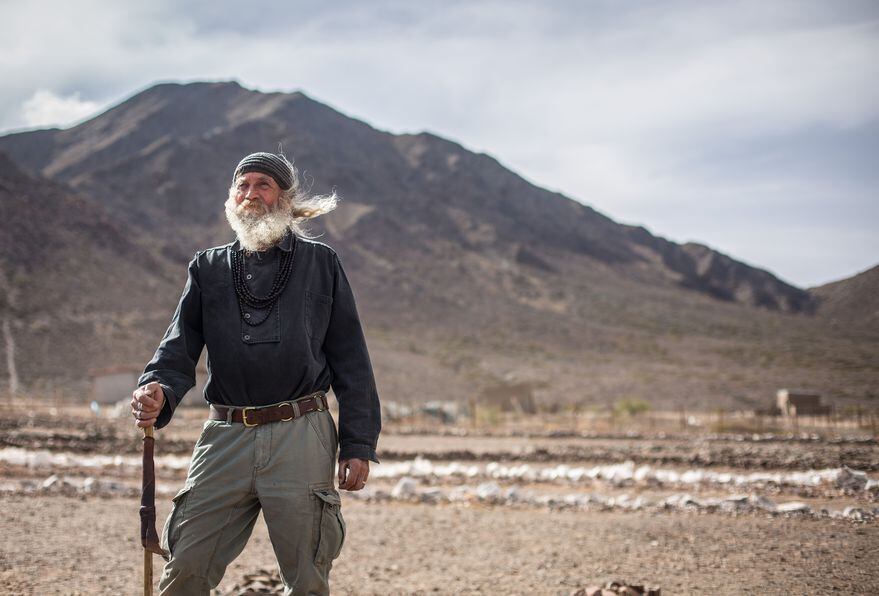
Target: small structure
800,403
115,383
510,397
447,412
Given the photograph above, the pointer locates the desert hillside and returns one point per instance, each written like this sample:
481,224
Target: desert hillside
470,280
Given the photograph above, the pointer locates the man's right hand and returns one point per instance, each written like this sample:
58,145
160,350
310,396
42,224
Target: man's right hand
146,403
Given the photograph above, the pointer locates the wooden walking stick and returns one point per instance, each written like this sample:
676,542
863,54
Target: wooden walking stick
148,536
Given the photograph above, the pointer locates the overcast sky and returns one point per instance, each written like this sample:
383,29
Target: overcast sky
752,127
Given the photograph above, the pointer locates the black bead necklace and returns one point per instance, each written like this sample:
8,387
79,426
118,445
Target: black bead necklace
246,298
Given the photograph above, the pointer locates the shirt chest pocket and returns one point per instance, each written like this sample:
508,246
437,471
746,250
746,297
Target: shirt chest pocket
318,308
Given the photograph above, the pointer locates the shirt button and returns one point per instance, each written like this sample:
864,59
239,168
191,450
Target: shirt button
246,337
249,275
247,315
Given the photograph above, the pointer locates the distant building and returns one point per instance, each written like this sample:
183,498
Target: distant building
799,403
116,383
510,397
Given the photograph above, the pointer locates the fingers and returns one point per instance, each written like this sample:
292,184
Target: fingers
343,468
145,417
146,422
146,403
143,407
360,481
151,396
357,475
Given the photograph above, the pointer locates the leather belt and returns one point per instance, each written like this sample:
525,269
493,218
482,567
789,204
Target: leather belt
288,410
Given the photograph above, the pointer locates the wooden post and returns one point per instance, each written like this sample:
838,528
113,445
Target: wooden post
147,573
148,554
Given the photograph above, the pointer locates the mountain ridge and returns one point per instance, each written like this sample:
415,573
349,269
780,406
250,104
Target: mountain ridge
442,244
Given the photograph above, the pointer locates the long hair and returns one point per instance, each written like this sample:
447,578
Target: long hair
299,204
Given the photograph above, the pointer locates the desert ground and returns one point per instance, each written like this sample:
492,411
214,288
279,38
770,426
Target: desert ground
499,508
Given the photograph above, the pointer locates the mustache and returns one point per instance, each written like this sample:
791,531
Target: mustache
249,202
279,206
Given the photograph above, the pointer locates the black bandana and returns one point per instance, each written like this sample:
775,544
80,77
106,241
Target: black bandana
275,166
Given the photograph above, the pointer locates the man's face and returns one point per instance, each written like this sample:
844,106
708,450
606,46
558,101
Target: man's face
256,193
257,210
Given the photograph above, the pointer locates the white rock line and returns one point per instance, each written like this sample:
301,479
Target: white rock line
89,485
491,493
627,474
624,474
43,459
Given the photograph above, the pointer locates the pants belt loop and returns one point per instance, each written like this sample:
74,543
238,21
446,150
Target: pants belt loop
228,415
296,412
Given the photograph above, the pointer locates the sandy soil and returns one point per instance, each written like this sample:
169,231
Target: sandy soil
69,542
416,549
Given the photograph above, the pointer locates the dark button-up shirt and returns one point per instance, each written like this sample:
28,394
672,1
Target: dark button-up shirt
311,340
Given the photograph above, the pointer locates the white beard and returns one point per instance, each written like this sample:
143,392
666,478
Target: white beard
258,229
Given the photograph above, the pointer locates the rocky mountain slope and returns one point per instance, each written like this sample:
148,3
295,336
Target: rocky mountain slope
852,302
75,286
468,277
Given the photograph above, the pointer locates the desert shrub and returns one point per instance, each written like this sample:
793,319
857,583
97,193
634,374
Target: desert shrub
631,407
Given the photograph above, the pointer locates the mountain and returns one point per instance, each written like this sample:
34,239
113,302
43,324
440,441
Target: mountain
852,302
75,286
467,275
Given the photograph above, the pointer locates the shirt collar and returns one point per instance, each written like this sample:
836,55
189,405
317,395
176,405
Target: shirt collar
285,243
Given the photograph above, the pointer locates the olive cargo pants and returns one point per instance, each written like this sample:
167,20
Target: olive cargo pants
286,469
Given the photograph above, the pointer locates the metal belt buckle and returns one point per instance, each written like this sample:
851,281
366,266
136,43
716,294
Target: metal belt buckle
286,403
244,417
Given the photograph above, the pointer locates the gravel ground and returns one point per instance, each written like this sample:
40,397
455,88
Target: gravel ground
90,435
73,545
64,543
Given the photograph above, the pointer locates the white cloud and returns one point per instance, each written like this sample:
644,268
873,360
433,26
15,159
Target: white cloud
44,109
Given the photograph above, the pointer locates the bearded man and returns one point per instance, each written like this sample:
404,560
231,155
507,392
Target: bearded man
276,313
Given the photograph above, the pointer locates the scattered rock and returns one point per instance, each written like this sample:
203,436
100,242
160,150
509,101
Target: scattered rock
261,582
616,588
851,480
488,491
405,488
49,482
793,507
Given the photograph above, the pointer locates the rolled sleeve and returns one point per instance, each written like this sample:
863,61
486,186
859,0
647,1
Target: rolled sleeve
353,381
173,365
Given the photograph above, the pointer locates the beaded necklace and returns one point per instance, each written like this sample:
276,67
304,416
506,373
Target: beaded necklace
248,298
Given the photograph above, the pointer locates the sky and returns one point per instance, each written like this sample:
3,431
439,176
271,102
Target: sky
751,127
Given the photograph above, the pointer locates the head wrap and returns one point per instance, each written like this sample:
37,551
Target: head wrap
275,166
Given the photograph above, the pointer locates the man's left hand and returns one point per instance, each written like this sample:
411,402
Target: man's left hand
356,471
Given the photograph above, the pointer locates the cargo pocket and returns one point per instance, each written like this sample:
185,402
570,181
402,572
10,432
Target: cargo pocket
172,525
331,526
